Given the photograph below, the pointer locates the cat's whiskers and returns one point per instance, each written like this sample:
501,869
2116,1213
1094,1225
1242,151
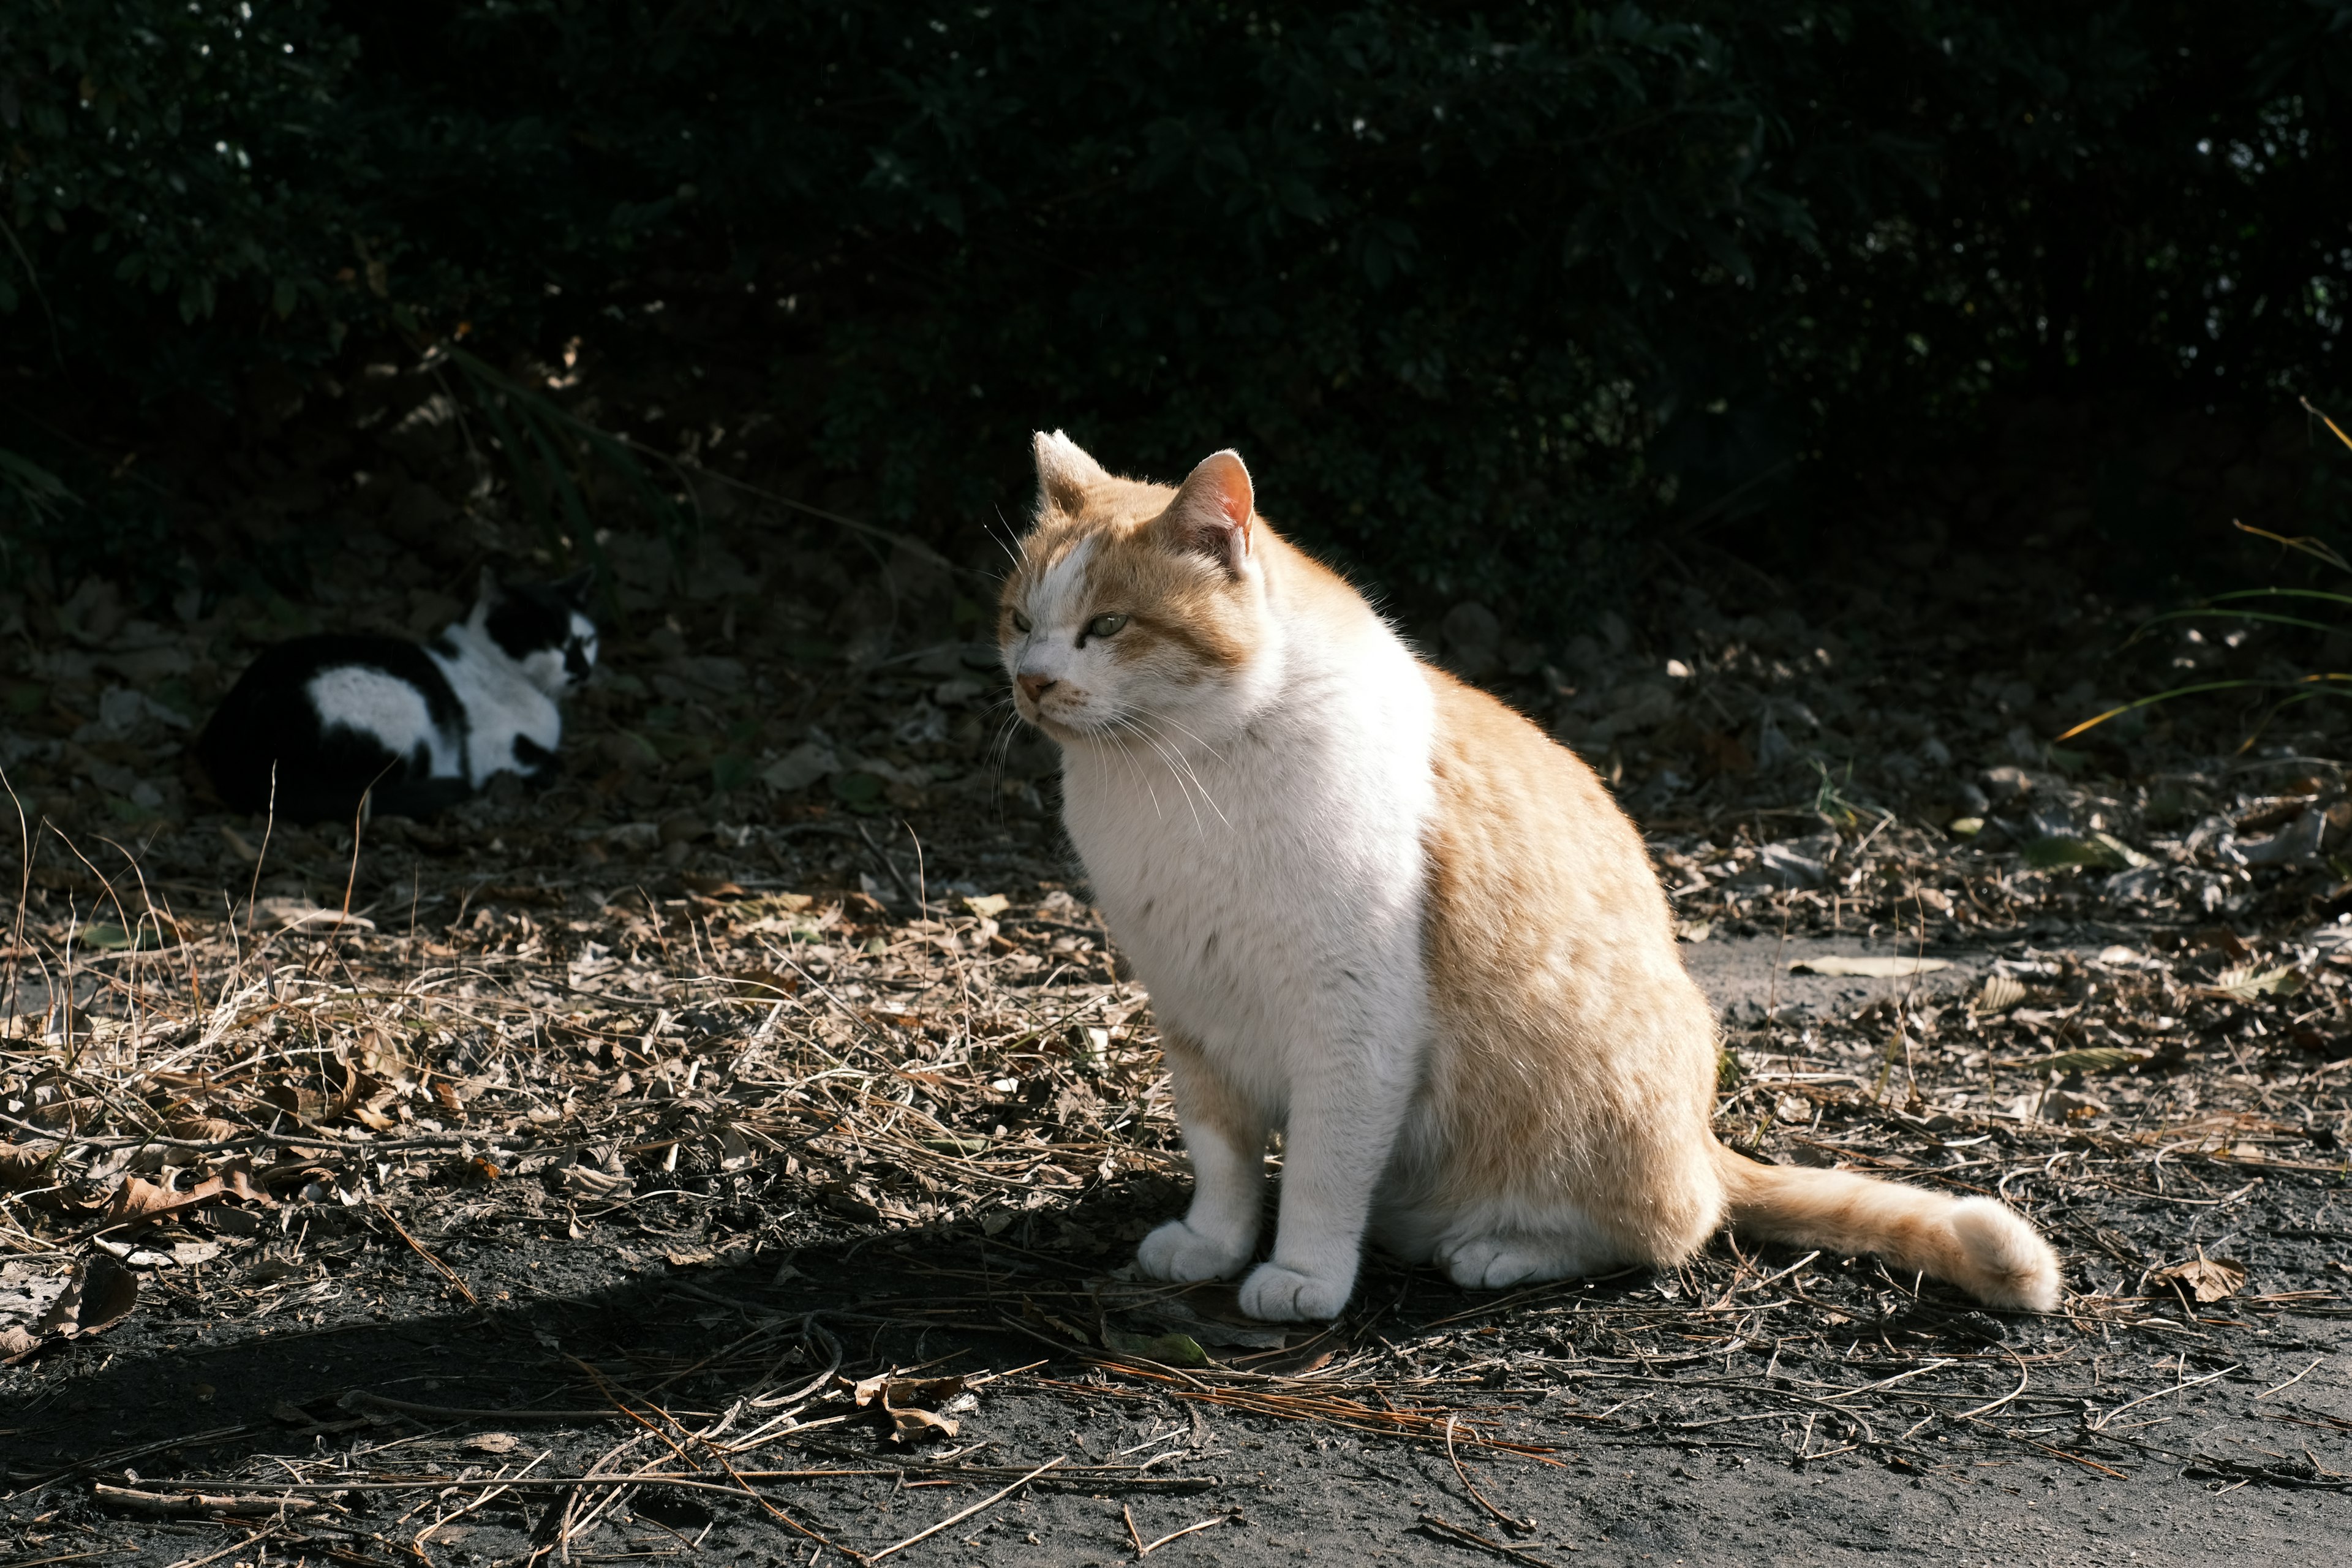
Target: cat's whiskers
1180,767
1164,718
1135,770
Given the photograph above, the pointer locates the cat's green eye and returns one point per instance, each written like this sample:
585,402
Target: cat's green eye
1020,623
1104,625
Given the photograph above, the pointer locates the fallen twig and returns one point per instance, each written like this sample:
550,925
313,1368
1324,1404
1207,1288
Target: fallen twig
988,1501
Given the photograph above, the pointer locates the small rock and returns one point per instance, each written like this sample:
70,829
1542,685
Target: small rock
2006,783
629,750
800,767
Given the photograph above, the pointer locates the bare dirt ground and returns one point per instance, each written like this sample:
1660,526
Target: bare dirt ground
733,1151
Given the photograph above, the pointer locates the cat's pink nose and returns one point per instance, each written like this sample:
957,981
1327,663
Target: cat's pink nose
1033,686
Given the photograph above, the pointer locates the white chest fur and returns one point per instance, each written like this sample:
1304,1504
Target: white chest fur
502,704
1268,888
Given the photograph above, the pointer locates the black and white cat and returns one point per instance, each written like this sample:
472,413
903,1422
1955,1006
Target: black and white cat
414,727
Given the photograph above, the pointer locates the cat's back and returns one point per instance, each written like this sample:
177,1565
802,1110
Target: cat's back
1554,978
293,717
331,676
1530,859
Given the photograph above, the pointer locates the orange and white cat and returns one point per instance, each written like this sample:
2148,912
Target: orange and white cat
1381,912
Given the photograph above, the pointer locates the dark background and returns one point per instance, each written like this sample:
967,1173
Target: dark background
1511,304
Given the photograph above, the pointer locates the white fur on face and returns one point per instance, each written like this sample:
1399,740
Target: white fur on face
1083,697
1103,688
384,707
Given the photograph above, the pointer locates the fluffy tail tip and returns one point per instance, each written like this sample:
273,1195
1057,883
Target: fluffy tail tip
2013,1267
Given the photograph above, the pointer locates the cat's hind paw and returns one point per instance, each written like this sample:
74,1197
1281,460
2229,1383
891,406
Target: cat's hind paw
1280,1295
1497,1262
1177,1251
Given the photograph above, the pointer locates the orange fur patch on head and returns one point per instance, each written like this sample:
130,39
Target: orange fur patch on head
1169,560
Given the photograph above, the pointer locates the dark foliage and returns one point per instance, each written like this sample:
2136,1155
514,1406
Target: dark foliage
1480,294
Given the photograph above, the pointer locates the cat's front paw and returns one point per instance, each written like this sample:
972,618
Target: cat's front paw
1281,1295
1177,1251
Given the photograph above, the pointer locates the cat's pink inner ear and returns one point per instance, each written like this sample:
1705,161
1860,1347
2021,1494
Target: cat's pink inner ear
1212,510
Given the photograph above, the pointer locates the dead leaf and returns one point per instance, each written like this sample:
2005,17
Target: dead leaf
22,1167
2001,994
292,914
587,1181
492,1443
202,1128
913,1404
101,1294
1870,968
16,1344
2246,983
765,985
140,1199
2091,1059
2205,1279
988,906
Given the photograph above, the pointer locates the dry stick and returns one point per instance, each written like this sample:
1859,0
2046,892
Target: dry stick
453,1413
1142,1550
166,1504
147,902
772,1512
269,826
1522,1525
418,1248
24,893
989,1501
234,1546
416,1545
922,901
2023,1376
2291,1382
1456,1532
2101,1422
359,820
1132,1533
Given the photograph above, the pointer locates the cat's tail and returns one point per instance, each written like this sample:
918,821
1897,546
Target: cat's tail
1983,1247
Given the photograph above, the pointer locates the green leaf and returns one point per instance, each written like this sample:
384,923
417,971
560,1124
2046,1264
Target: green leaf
1168,1350
859,791
2057,852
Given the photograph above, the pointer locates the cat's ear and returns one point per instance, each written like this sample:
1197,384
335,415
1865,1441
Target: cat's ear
490,594
1212,510
577,589
1065,472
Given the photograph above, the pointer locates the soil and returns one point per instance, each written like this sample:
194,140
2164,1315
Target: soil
553,1180
1649,1431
